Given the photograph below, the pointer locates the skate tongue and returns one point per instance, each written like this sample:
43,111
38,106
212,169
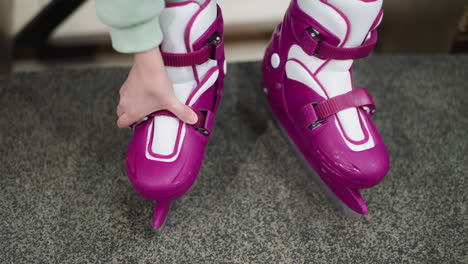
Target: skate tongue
361,16
178,24
174,21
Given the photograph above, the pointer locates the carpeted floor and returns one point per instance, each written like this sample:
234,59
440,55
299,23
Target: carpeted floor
65,197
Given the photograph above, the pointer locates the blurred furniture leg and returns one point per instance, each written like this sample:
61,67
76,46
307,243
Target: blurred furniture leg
6,8
420,25
461,41
35,34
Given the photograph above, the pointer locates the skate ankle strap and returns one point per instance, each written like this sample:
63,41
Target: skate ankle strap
322,49
211,51
314,114
187,59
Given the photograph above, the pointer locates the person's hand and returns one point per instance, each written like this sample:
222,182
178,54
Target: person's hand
148,89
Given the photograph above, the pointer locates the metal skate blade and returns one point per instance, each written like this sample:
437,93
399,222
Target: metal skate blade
161,212
355,206
354,200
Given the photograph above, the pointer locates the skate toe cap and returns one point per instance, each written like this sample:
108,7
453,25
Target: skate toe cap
365,170
156,180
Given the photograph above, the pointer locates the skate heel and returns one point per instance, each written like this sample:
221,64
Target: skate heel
161,211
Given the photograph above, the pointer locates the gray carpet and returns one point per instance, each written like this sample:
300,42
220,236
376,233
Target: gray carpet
65,197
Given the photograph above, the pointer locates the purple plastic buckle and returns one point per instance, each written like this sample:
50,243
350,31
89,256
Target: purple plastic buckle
211,51
205,122
314,45
217,53
309,116
216,41
314,114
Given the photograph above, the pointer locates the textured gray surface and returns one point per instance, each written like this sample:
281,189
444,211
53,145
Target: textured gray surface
65,198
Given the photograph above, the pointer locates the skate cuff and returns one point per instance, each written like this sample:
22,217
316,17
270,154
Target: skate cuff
324,50
315,113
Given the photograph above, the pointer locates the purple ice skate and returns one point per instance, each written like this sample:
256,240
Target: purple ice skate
165,154
308,83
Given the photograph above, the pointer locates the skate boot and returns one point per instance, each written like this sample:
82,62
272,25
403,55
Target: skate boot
165,154
308,83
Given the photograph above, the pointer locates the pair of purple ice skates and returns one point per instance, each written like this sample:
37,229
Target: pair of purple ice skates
307,82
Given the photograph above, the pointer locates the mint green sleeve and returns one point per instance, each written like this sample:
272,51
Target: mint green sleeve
134,24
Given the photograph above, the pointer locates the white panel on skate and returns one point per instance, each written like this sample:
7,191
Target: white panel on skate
297,72
183,90
174,21
203,21
206,84
165,132
298,53
367,145
202,69
150,157
325,15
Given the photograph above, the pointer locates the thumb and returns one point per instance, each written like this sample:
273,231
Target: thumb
184,113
